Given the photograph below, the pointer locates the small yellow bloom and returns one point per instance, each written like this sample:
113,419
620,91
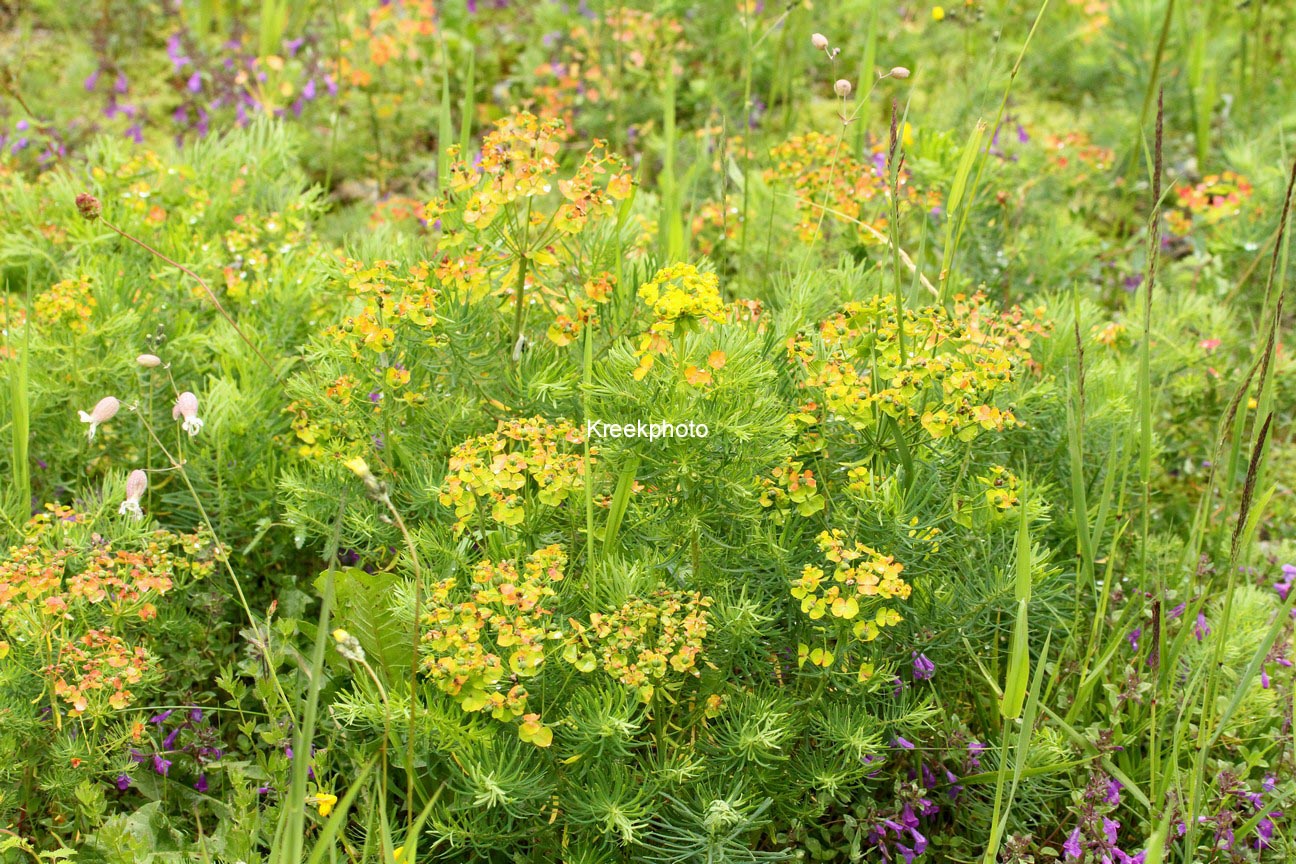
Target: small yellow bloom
358,466
341,635
324,801
938,13
398,853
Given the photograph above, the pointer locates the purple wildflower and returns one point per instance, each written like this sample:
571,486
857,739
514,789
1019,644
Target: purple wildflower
902,743
923,669
160,765
1133,637
201,784
1113,792
1201,629
1072,845
124,782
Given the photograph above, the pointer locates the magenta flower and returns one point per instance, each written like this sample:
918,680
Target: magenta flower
1072,846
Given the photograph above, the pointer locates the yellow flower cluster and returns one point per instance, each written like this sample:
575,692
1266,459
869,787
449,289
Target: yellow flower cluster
681,300
504,465
259,243
860,575
518,175
1002,488
497,626
644,639
388,299
789,486
958,363
519,160
66,304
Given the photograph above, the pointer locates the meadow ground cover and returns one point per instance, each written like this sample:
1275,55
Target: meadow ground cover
485,431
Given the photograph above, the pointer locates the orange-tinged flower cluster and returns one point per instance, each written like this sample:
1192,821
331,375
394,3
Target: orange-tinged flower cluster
1215,198
791,485
389,33
67,304
68,602
643,640
1074,150
1096,15
505,466
629,50
150,187
831,185
388,300
97,670
519,160
479,640
123,581
508,220
958,363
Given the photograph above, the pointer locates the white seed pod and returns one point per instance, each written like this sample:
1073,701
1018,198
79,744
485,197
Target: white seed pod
842,88
899,72
819,41
149,361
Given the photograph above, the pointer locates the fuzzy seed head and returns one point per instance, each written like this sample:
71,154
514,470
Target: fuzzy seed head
842,88
88,206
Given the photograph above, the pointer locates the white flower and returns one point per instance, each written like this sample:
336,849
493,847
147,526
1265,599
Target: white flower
819,41
136,483
149,361
842,88
899,72
186,406
104,410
